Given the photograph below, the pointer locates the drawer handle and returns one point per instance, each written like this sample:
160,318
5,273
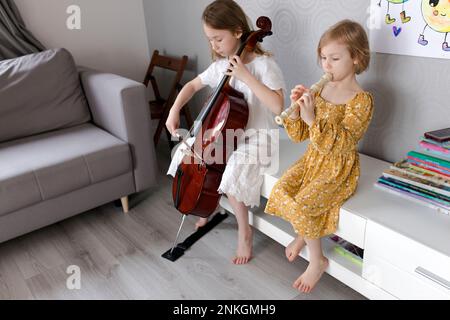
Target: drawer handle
433,277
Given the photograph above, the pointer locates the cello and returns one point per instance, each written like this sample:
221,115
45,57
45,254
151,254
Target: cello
195,185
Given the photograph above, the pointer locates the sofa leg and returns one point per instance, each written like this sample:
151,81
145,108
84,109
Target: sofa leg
125,206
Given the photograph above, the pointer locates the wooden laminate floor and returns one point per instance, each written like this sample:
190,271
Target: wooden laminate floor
119,257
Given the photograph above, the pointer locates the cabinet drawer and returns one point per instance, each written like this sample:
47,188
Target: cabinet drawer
400,283
414,258
352,228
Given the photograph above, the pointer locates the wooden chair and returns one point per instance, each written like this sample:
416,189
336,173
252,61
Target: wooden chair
160,107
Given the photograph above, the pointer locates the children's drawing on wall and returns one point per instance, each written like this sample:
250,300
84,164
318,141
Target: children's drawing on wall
403,15
437,17
411,27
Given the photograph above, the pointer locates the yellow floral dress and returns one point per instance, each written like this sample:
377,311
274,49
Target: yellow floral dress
311,192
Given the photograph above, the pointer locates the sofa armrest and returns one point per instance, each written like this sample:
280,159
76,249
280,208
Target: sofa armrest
118,105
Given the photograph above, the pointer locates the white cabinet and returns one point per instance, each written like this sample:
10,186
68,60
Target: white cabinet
403,267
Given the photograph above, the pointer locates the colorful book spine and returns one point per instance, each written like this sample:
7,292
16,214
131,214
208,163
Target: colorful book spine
349,255
409,195
430,172
441,144
406,168
436,154
415,198
440,163
430,146
415,190
425,166
421,183
414,195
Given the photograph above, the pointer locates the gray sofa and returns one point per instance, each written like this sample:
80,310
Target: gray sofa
70,140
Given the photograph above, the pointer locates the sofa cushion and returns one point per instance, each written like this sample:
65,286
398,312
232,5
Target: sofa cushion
40,92
48,165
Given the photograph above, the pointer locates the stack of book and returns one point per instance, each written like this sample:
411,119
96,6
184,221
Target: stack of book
424,176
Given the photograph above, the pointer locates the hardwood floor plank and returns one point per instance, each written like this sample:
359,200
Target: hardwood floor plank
12,282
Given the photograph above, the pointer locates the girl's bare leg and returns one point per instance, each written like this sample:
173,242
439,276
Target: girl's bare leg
294,248
201,222
317,265
245,233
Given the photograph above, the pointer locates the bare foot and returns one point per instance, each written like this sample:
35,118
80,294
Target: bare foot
201,223
294,248
307,281
244,249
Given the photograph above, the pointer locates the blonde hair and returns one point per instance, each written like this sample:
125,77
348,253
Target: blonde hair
228,15
353,35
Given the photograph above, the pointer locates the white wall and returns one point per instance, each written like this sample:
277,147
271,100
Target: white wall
112,38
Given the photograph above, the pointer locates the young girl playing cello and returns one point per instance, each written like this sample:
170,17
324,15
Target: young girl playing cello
259,78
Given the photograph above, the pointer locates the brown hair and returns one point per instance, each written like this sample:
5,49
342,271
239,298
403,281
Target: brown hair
228,15
353,35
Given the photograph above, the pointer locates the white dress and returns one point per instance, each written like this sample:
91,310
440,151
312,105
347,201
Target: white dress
255,155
